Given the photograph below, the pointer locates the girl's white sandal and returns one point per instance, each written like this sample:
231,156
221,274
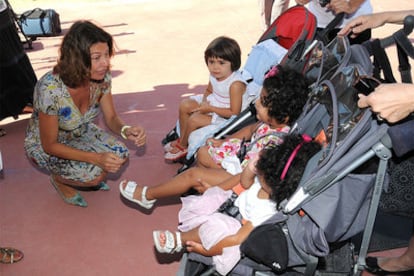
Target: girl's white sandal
171,246
128,193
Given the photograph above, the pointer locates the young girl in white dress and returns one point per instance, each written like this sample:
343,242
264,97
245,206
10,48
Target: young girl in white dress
222,99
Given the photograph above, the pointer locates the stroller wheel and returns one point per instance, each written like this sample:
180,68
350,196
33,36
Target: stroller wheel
171,136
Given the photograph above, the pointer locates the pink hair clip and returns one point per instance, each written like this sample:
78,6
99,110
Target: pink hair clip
272,72
306,139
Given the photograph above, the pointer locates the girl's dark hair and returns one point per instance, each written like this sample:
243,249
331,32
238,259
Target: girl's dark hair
74,63
272,161
287,92
225,48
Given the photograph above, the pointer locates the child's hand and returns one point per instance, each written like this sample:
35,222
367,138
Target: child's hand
196,247
202,186
204,108
252,163
213,142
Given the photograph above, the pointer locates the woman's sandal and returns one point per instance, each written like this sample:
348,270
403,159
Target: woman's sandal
76,200
372,266
128,193
102,186
171,246
9,255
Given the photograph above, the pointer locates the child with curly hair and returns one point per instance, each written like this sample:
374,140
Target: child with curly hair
222,99
206,231
281,101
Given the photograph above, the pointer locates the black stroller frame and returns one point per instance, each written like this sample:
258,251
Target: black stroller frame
368,140
26,40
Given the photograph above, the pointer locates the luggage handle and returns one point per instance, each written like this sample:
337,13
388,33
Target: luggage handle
27,14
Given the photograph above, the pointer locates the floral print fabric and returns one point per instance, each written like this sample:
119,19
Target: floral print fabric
76,130
264,135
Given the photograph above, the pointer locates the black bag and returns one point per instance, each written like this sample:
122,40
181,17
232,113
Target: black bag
267,245
398,199
38,22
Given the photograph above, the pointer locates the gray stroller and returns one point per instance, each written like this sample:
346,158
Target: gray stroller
340,189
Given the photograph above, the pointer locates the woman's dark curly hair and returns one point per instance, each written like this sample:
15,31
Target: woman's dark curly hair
225,48
272,161
74,63
286,94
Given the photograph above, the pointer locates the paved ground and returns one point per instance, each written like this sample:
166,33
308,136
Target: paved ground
159,60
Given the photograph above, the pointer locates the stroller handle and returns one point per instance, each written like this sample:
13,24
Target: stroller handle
407,29
408,24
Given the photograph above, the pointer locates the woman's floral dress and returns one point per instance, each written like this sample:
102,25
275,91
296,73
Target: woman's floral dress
76,130
263,136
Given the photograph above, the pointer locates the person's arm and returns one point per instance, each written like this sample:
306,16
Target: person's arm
302,2
375,20
228,241
345,6
112,120
393,102
48,127
237,90
245,132
249,173
207,92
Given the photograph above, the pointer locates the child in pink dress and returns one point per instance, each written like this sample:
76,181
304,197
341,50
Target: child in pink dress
270,180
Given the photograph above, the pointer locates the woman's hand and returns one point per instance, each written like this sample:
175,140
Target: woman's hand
137,135
338,6
109,162
362,23
392,102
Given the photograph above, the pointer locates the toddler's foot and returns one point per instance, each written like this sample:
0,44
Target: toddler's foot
134,193
176,153
166,243
170,145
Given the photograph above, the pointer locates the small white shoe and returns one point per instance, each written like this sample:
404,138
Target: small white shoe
128,193
171,246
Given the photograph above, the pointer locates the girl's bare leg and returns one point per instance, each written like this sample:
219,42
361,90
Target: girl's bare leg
205,160
191,235
194,121
184,112
191,178
194,177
